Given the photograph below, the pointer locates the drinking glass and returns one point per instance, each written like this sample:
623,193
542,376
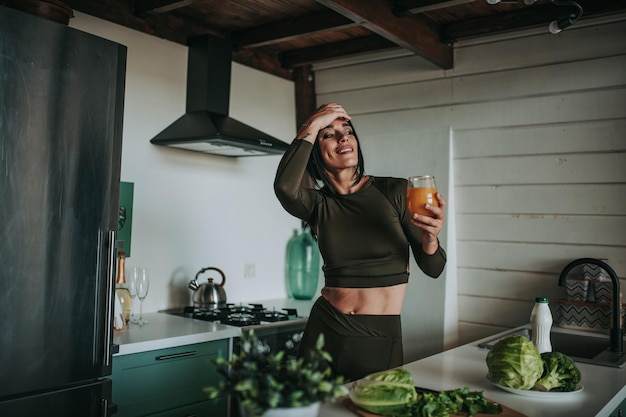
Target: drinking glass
142,283
420,191
132,288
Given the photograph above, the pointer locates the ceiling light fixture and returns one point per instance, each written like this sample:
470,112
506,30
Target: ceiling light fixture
558,25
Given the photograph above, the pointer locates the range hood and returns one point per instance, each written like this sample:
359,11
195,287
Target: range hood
206,126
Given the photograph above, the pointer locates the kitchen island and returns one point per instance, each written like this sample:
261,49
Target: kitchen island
464,366
604,388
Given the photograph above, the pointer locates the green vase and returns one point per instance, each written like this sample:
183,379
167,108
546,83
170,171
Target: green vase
302,265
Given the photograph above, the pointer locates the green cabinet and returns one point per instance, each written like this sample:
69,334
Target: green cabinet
169,382
620,411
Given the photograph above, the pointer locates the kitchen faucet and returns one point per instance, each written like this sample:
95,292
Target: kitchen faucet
616,336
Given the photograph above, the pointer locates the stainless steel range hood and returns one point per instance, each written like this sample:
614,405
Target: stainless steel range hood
206,126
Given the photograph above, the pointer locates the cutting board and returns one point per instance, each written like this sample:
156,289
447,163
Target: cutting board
506,411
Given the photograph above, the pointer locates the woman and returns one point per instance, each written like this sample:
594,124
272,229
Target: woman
363,231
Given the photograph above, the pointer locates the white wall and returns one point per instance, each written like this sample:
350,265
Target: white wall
193,210
540,181
540,112
522,115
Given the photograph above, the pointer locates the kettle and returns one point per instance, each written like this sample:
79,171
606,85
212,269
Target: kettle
209,295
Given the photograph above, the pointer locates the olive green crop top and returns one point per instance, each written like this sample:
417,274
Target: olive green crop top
363,237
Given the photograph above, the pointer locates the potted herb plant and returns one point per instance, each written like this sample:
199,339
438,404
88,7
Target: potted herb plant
268,384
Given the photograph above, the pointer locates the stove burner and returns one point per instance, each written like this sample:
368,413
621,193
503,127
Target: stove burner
241,319
231,308
239,315
272,316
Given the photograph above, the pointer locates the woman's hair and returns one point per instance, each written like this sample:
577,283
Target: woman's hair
315,166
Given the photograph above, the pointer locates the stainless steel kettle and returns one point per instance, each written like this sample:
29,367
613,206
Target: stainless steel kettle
209,295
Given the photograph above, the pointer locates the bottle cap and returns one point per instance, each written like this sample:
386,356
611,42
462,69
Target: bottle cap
542,300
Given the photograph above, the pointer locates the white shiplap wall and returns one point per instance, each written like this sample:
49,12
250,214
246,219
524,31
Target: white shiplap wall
531,127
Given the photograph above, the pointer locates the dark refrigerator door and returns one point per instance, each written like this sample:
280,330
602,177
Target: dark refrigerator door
84,401
61,106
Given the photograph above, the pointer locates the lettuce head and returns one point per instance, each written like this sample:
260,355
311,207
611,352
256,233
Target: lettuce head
514,362
388,393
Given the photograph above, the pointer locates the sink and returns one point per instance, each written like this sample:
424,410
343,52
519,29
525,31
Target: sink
584,348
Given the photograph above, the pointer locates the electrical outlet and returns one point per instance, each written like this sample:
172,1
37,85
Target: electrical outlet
249,270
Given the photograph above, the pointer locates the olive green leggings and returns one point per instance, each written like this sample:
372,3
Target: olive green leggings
359,344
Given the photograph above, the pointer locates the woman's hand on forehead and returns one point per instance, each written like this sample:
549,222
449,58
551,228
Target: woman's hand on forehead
326,114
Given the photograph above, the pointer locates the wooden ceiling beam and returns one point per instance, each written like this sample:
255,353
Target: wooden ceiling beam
406,7
263,60
413,33
164,26
315,54
304,81
289,29
150,7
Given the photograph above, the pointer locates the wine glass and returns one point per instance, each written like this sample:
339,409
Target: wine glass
142,283
132,288
420,191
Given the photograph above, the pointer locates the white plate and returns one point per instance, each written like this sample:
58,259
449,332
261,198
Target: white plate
538,394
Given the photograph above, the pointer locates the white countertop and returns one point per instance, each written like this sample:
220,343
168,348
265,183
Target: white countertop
166,330
465,366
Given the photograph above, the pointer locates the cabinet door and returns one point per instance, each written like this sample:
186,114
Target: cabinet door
211,408
162,381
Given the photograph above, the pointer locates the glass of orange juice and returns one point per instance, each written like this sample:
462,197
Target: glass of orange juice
420,191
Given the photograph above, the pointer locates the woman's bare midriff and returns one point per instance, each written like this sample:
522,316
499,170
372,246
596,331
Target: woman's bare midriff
379,301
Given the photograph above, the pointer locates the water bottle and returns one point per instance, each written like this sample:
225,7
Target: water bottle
302,265
541,321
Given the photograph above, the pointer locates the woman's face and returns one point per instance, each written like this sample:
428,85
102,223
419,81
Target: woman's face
338,146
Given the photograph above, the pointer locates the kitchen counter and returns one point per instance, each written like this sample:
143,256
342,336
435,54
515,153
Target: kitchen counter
166,331
465,366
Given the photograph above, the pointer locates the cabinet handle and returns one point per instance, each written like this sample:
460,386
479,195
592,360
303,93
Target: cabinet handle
176,355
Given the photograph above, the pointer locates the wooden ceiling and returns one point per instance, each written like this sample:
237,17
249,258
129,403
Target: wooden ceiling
280,36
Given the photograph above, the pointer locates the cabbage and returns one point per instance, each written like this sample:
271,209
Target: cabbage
514,362
389,393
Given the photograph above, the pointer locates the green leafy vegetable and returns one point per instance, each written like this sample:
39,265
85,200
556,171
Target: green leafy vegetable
514,362
392,393
458,401
387,393
559,373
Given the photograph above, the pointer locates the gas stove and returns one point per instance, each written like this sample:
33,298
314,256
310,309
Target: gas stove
276,330
238,315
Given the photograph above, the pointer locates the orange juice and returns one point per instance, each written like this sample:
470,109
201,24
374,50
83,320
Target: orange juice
417,197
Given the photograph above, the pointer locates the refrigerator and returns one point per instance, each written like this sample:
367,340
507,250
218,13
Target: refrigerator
61,113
